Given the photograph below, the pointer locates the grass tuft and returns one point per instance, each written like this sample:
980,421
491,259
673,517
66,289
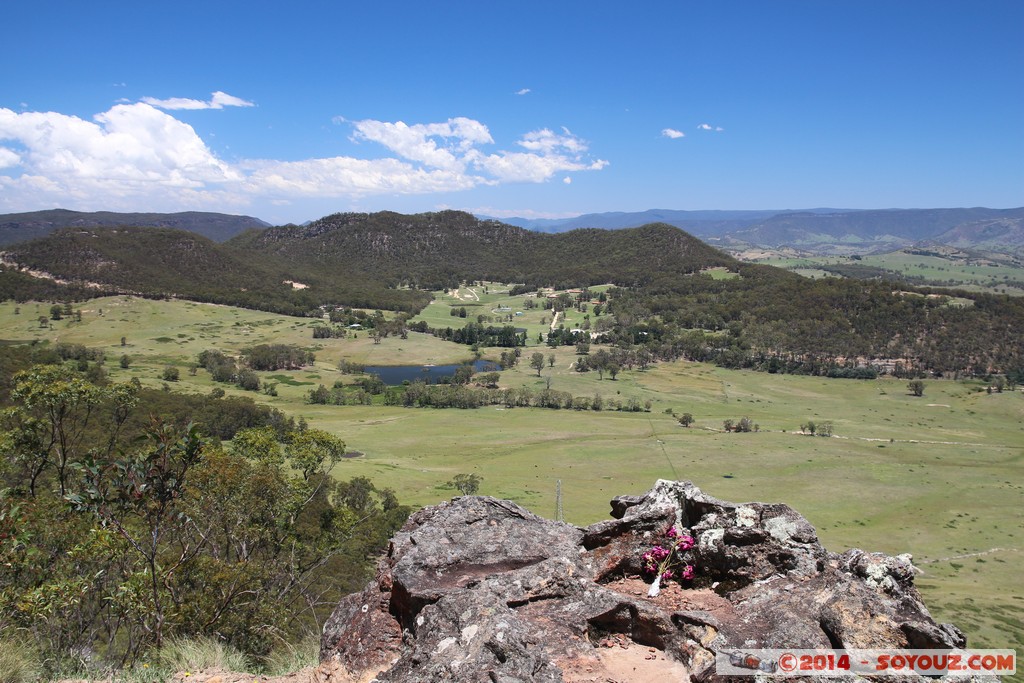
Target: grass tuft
195,654
288,657
18,662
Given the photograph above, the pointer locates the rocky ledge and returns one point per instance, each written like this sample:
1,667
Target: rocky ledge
480,589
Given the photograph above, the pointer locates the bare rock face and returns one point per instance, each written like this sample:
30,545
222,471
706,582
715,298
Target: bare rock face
479,589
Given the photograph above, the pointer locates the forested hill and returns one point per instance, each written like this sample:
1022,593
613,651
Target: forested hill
353,259
19,227
435,250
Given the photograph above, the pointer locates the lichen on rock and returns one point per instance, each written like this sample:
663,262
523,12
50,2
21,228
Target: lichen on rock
479,589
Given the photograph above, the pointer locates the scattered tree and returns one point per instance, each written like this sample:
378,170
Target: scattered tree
613,370
686,419
467,484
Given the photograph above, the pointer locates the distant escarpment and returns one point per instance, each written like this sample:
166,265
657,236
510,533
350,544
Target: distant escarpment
480,589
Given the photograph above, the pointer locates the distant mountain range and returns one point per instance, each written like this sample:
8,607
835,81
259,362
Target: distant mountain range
821,230
18,227
841,231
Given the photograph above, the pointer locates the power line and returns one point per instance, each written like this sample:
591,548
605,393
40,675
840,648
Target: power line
558,501
661,443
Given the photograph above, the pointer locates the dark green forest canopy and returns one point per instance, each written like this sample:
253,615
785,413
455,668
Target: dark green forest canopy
391,261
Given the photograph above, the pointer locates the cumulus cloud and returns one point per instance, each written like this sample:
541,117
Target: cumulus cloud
126,150
567,180
346,176
708,126
672,133
218,100
548,153
419,142
139,156
524,91
9,158
546,142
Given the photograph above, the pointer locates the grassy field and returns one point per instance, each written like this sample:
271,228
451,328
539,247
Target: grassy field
938,476
492,301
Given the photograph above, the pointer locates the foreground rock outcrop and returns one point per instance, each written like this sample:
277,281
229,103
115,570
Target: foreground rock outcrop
479,589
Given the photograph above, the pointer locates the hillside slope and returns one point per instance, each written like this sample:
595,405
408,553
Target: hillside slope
435,250
19,227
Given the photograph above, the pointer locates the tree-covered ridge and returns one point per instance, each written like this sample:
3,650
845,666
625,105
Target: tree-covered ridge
440,250
784,324
162,262
19,227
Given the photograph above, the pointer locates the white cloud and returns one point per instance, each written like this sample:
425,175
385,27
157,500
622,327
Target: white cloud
9,158
707,126
218,100
673,133
549,153
532,168
547,142
524,91
567,180
419,142
137,157
222,99
349,177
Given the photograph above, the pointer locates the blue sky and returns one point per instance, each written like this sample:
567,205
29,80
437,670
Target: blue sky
290,111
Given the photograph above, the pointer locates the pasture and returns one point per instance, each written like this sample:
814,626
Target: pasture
1005,276
939,476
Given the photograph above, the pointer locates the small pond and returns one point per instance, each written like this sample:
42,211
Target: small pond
431,374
